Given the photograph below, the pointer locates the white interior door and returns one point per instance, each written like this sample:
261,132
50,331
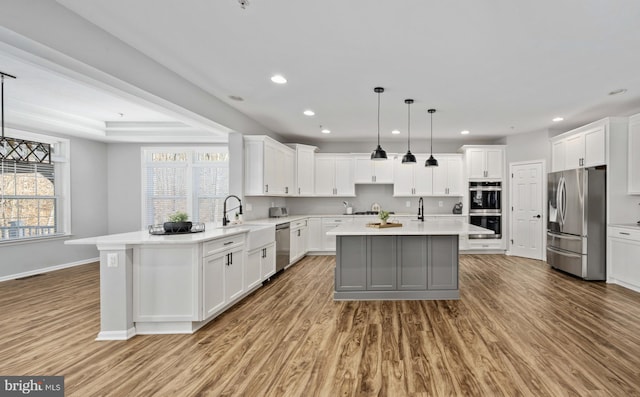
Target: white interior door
527,216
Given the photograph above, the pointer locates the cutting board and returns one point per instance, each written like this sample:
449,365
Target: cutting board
379,225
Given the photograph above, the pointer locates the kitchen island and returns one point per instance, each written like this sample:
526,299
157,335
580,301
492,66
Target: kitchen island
416,261
171,284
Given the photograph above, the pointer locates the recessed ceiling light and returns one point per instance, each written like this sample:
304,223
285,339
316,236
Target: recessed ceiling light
395,132
278,79
465,132
309,112
326,131
556,119
236,98
618,91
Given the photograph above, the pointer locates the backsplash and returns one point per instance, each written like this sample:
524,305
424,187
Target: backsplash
366,195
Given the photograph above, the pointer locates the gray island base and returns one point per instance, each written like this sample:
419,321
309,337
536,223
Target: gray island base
416,262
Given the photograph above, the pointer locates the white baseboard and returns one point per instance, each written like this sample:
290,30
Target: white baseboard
630,286
48,269
117,335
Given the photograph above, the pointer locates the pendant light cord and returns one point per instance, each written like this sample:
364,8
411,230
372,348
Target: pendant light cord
409,127
432,133
378,119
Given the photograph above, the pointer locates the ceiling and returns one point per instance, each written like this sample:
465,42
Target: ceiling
491,67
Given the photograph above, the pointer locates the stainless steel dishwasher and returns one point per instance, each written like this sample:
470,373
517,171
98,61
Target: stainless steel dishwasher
283,245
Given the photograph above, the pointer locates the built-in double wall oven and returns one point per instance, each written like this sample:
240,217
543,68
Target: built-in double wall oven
485,208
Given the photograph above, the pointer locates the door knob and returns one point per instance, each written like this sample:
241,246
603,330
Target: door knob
537,216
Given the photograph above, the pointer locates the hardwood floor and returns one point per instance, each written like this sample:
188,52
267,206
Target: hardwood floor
518,329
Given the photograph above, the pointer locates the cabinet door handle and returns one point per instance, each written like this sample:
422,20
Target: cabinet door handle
298,191
298,232
286,189
231,258
266,188
228,243
625,233
227,256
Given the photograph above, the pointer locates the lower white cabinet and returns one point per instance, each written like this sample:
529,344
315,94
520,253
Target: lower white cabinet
261,264
623,251
298,240
314,234
329,242
222,273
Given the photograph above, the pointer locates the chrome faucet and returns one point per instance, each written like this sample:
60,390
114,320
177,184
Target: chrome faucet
421,209
225,221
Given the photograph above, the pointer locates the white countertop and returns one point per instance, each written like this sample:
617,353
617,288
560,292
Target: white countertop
633,226
426,228
144,238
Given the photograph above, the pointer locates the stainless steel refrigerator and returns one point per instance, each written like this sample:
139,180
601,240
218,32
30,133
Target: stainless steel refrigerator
576,226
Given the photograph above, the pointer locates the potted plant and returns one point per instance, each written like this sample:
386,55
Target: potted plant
383,215
178,223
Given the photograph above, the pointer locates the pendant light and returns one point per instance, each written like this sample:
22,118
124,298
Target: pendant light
379,153
408,158
431,162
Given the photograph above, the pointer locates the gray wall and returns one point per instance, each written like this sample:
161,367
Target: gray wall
124,187
88,216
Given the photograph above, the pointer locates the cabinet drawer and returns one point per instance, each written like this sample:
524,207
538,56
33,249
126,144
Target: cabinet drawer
297,224
624,233
336,220
211,247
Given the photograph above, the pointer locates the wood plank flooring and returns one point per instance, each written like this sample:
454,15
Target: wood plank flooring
519,329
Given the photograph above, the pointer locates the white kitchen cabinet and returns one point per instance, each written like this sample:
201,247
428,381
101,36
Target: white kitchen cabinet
623,251
447,176
369,171
298,240
261,264
222,273
412,179
213,283
484,162
269,167
334,175
633,158
304,170
583,147
329,242
314,235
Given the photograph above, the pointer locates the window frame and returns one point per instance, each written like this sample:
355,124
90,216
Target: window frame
191,164
60,158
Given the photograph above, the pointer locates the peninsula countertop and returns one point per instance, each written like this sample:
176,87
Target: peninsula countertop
437,227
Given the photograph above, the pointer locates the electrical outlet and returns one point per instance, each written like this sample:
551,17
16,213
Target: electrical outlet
408,203
440,203
112,260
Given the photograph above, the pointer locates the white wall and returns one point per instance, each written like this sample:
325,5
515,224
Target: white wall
88,160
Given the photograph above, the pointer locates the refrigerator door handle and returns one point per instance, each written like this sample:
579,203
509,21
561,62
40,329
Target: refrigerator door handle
564,201
564,236
559,200
564,253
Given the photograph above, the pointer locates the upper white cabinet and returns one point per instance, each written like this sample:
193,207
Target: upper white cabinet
334,175
369,171
579,148
304,179
269,167
484,162
447,176
633,159
412,179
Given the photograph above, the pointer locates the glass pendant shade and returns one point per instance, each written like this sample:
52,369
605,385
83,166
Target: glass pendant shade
408,158
431,161
379,153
